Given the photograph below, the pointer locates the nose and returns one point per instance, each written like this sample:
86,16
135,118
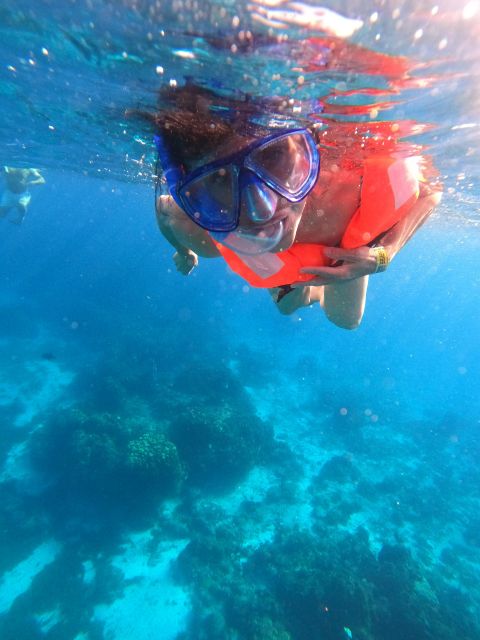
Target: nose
259,202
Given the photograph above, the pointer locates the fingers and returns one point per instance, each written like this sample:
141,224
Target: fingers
325,271
193,261
301,6
325,19
268,3
324,275
354,263
282,15
185,263
185,269
303,15
360,257
346,255
275,24
276,18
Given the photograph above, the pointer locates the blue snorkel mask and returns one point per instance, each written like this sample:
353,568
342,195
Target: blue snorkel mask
284,164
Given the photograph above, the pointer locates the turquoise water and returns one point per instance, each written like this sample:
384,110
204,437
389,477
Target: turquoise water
179,461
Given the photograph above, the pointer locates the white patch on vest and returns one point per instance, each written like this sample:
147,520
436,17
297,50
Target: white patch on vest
264,265
403,175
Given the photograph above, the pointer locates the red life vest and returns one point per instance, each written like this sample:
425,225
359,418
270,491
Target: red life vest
390,188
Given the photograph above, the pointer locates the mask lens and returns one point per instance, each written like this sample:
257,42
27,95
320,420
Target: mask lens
286,162
259,202
211,199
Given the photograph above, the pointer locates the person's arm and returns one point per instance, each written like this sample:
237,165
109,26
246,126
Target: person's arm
37,177
356,263
398,236
188,239
279,14
184,258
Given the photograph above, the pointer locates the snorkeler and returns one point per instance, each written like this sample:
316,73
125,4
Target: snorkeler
16,194
286,209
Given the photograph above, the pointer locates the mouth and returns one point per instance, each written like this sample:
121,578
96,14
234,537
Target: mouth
268,234
266,228
254,240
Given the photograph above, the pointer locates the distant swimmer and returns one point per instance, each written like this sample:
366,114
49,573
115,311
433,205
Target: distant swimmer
16,194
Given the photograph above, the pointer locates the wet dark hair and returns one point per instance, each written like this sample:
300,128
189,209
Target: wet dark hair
191,121
194,120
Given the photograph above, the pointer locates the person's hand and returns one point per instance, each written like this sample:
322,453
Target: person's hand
185,261
301,14
354,263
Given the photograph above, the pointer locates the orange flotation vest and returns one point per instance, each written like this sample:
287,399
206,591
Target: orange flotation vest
390,187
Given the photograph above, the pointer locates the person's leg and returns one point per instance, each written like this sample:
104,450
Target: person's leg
6,203
344,303
296,298
317,294
22,210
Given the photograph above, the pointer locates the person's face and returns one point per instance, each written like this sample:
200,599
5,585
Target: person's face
265,216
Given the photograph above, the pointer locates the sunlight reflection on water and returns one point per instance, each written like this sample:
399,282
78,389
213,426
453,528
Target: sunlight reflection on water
72,69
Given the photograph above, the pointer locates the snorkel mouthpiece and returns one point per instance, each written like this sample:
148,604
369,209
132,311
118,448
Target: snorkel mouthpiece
251,242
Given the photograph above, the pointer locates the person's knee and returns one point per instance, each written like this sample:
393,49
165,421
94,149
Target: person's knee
283,306
345,321
284,310
344,303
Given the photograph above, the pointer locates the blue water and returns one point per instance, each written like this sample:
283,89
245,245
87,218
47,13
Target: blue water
178,461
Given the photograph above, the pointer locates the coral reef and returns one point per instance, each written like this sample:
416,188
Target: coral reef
328,527
219,444
117,463
153,458
302,586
